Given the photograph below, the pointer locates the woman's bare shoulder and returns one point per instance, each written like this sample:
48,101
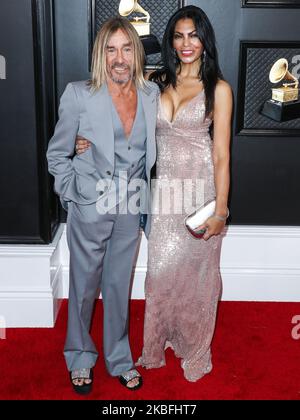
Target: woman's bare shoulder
223,88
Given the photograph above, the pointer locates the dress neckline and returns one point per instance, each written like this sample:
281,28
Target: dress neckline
180,109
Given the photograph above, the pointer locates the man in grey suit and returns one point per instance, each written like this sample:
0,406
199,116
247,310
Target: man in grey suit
116,111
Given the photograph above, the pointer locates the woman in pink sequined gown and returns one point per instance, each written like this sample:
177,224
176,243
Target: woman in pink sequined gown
183,281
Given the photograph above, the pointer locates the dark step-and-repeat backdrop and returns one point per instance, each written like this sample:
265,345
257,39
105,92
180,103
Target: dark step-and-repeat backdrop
44,44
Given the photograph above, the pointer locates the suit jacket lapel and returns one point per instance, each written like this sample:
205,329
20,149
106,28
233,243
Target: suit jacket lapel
99,113
149,97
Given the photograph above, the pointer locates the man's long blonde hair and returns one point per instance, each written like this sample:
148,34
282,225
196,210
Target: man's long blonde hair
99,65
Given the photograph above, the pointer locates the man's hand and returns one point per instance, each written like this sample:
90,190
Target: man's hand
81,145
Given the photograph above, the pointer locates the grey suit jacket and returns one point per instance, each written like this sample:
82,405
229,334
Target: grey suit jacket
89,115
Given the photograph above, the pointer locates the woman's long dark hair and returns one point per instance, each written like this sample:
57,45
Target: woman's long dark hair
209,71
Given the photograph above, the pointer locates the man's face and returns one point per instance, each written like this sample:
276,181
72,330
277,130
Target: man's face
119,58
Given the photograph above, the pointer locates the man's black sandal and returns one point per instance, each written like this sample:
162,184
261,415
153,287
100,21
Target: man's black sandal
83,389
127,377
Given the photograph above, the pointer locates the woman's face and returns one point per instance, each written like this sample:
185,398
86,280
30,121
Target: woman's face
186,42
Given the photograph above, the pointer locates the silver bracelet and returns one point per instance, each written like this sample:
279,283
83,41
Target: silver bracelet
222,218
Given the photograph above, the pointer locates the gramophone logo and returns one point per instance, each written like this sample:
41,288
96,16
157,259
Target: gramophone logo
284,104
141,24
2,68
289,89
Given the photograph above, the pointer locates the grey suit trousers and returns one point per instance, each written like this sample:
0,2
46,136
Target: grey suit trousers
102,253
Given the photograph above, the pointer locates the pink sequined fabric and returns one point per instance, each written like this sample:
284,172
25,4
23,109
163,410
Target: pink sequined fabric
183,282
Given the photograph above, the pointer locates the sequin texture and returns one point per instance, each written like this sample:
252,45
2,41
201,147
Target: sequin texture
183,281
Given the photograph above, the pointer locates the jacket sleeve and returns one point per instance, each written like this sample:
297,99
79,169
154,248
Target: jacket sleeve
62,144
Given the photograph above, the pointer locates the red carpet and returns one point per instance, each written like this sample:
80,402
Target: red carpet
254,357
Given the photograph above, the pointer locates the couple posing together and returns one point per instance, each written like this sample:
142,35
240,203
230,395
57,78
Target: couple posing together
121,125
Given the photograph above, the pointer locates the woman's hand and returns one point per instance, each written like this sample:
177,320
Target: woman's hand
81,145
212,226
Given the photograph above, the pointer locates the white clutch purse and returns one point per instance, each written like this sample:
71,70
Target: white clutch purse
198,217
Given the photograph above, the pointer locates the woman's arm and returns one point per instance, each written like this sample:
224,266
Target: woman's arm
221,144
221,158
